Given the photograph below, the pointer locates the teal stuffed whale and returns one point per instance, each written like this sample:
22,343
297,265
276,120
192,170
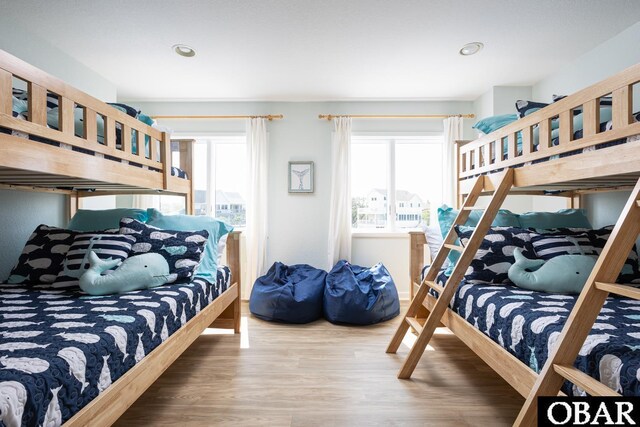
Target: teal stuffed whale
138,272
565,274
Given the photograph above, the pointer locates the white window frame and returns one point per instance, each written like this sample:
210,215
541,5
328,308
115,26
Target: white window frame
390,139
213,138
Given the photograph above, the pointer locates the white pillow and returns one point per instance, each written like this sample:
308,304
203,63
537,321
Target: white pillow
222,249
434,241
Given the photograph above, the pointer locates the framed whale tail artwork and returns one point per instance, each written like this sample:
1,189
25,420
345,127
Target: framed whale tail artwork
301,177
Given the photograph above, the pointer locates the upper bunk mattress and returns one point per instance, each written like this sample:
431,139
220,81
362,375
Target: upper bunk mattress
527,324
61,348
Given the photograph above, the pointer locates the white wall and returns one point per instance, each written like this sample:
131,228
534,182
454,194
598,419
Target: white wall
608,58
505,97
298,222
42,54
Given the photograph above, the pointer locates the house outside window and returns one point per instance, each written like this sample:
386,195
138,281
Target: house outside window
409,165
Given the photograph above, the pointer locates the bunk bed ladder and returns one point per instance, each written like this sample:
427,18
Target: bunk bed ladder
426,328
559,367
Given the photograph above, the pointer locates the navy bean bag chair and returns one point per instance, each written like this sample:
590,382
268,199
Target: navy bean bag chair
360,296
291,294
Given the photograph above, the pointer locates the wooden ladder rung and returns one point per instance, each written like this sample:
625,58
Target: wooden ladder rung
454,247
584,381
622,290
414,323
433,285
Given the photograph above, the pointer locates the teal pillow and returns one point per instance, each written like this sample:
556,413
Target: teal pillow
447,215
216,228
145,119
564,218
605,116
19,106
492,123
88,220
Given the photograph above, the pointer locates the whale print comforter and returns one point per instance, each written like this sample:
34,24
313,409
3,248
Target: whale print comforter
59,349
527,324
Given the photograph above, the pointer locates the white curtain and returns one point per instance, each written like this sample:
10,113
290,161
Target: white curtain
452,133
256,231
340,202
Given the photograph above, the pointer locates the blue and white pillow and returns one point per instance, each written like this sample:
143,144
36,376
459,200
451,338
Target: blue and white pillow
183,250
528,107
492,261
42,257
598,237
106,246
550,246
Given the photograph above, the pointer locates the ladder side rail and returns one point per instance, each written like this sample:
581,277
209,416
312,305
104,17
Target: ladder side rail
452,236
501,191
434,269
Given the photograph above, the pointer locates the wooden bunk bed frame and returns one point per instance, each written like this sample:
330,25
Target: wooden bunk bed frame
484,170
28,165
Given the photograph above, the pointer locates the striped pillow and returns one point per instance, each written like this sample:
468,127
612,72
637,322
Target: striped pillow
551,246
114,246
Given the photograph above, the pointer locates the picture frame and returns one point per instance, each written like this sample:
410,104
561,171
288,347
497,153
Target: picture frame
301,177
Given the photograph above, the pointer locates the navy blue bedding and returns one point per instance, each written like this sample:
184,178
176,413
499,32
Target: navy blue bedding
59,349
527,323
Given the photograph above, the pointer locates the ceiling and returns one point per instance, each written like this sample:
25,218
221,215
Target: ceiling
301,50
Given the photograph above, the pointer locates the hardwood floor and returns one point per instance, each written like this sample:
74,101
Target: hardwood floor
321,374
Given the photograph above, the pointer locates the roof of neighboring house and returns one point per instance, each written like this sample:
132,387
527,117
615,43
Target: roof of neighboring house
401,195
229,197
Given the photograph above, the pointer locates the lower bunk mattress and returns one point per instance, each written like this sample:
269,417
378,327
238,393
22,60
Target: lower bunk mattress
59,349
528,324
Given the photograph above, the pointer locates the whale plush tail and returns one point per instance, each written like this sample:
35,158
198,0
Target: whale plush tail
100,266
525,263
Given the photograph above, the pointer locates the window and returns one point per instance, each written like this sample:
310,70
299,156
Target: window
410,166
220,171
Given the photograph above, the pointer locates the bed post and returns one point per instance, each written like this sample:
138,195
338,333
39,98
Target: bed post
74,204
417,240
574,201
230,317
185,146
233,260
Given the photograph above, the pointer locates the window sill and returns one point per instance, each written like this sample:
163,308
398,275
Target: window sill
382,234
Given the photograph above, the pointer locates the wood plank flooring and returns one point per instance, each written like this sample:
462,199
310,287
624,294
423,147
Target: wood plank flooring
323,375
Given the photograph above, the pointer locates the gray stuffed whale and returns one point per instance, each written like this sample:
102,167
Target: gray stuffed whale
565,274
137,272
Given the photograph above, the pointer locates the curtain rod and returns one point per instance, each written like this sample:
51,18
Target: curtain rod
395,116
269,117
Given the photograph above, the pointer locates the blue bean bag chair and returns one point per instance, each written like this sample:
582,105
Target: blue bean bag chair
360,296
291,294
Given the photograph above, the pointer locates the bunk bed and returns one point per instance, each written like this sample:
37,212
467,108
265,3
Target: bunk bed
100,158
81,145
529,157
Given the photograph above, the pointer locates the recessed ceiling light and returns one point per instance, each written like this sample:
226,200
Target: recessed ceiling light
471,48
184,50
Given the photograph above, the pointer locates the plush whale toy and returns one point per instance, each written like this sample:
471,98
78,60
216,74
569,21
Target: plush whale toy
565,274
138,272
